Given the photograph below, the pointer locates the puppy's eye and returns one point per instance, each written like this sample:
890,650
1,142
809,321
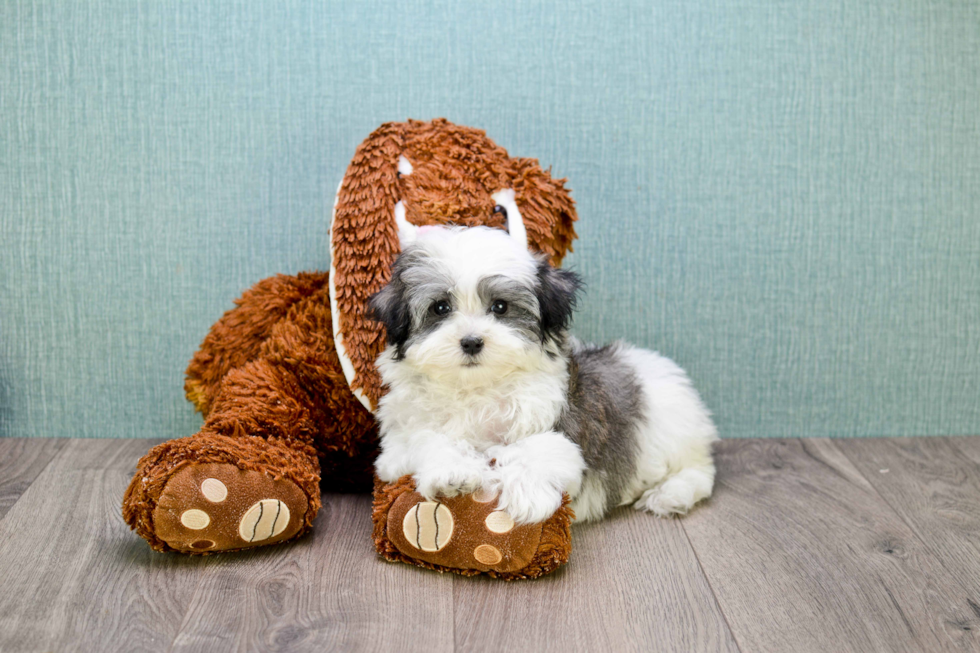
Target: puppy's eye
440,308
501,210
499,307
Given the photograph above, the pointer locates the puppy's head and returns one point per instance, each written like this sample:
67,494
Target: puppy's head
473,305
408,175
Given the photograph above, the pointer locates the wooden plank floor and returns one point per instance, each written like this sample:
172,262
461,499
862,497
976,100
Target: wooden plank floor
807,545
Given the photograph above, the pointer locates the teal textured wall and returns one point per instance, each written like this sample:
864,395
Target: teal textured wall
783,196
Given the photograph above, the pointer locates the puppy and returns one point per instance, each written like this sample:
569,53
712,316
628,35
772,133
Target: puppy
486,389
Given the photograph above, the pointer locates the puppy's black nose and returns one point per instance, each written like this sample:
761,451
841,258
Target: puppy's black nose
471,345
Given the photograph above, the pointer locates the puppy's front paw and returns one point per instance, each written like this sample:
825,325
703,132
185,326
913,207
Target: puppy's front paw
463,475
532,474
527,499
390,467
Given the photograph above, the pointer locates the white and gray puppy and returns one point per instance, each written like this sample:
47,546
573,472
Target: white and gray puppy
486,389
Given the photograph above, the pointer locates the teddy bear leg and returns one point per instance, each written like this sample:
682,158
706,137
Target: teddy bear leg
250,477
285,414
342,431
285,322
212,492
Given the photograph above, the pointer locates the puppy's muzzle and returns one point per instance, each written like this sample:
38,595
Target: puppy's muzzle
471,345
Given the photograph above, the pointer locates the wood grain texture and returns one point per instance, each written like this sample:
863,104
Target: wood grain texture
328,591
75,577
804,555
968,446
806,546
934,485
633,584
21,460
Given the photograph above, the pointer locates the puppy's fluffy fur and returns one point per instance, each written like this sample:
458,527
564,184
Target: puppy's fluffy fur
486,389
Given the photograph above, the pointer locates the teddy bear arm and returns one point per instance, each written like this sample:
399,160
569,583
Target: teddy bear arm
251,475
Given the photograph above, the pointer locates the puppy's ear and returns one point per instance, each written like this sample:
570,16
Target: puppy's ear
557,293
390,307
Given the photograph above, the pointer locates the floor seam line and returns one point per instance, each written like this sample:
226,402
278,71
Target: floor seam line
951,440
190,604
901,518
711,587
53,458
915,531
453,608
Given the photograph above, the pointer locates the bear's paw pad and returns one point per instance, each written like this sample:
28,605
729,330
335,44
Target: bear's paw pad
464,532
213,507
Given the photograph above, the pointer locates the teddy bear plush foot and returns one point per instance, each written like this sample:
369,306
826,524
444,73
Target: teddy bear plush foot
466,534
213,493
219,507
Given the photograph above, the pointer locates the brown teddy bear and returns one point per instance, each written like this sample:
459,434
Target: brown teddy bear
286,380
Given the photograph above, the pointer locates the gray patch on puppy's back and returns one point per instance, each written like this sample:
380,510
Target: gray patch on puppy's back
605,407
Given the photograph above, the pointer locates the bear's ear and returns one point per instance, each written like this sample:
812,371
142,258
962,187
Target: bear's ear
389,306
557,294
364,244
547,208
